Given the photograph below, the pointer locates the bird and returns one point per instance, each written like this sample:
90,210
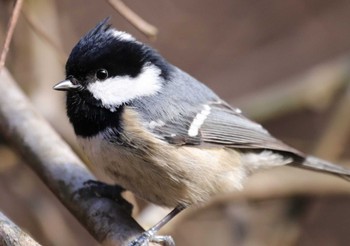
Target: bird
155,130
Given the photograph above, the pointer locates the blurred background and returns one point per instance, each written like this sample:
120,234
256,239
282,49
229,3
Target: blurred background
284,63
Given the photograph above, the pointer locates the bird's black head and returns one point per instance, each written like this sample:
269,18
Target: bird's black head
106,48
107,69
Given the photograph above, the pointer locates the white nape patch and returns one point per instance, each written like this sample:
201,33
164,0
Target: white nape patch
265,159
198,121
118,90
121,35
153,124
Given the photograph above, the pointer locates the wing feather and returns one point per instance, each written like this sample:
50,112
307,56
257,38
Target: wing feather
223,126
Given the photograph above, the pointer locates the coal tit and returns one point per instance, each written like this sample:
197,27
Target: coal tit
158,132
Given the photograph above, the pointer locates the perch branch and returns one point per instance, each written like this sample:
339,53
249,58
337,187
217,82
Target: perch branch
147,29
59,168
10,30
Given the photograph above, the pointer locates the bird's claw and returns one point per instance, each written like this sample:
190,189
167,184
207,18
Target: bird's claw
102,190
147,237
163,240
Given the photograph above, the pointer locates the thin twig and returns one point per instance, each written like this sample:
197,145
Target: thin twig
147,29
10,30
12,235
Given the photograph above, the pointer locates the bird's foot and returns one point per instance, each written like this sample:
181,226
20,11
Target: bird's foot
148,236
103,190
100,189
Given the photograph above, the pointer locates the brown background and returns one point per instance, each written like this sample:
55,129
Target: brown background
239,48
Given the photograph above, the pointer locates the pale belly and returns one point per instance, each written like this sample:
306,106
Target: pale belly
168,177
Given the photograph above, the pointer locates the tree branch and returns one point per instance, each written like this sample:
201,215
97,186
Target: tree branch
314,89
59,168
38,29
333,141
143,26
12,235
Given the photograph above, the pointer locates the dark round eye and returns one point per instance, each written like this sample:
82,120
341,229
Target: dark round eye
101,74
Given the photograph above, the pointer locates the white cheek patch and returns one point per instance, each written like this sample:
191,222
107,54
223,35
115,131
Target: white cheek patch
118,90
198,121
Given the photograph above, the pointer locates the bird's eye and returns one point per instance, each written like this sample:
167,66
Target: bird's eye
101,74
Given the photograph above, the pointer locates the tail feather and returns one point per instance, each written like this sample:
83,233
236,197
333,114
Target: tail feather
319,165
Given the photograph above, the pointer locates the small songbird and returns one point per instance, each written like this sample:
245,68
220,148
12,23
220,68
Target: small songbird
155,130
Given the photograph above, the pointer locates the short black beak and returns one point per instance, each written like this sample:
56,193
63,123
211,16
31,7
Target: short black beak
65,85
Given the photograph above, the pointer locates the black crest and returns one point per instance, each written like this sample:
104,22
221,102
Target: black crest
102,48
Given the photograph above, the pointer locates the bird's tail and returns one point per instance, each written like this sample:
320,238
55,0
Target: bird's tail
319,165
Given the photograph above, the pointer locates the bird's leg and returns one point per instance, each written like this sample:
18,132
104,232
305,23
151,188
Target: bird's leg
150,235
